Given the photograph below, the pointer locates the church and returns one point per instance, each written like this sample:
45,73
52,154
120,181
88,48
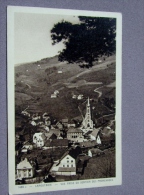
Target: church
87,124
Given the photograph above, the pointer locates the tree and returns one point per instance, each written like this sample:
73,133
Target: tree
87,41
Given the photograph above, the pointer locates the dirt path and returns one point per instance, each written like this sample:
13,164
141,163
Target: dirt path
99,92
94,68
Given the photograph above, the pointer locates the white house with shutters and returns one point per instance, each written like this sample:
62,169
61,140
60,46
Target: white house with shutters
65,166
25,169
39,139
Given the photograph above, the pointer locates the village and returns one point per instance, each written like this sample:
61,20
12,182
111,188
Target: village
47,150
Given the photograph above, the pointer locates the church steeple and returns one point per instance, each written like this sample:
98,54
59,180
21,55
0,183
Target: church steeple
88,104
87,124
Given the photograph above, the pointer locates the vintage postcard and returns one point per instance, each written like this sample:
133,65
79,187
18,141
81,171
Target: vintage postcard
64,99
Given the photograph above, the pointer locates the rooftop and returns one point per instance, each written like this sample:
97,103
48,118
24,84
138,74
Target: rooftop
88,144
24,164
74,130
73,153
96,151
67,169
95,132
65,120
59,142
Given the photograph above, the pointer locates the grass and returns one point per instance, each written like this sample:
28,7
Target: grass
43,82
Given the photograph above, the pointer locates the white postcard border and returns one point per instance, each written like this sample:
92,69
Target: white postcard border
43,187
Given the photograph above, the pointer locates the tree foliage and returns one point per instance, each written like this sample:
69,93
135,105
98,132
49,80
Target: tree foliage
86,41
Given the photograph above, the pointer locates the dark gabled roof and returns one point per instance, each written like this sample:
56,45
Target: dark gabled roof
55,131
74,130
50,136
59,142
73,153
47,143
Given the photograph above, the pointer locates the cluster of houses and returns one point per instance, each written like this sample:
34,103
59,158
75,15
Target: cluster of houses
78,97
63,134
55,94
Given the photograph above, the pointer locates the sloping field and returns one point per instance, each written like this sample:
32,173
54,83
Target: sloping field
35,82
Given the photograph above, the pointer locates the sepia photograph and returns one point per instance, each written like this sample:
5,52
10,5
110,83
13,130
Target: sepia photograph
64,99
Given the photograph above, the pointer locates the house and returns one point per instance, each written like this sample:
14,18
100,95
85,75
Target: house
75,134
98,140
39,139
93,134
80,97
25,169
56,143
65,122
95,152
59,71
50,136
45,116
66,165
33,123
107,131
71,124
25,113
35,117
53,96
59,143
56,92
59,125
26,147
74,96
88,144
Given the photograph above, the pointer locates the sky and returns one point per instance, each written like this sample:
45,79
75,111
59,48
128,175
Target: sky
32,39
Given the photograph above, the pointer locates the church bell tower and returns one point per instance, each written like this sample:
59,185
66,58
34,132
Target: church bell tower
87,124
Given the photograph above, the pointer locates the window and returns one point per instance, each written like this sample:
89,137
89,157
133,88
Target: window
67,165
19,174
71,165
67,161
67,157
29,174
63,165
25,173
71,160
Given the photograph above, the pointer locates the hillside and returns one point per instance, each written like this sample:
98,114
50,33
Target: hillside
35,82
